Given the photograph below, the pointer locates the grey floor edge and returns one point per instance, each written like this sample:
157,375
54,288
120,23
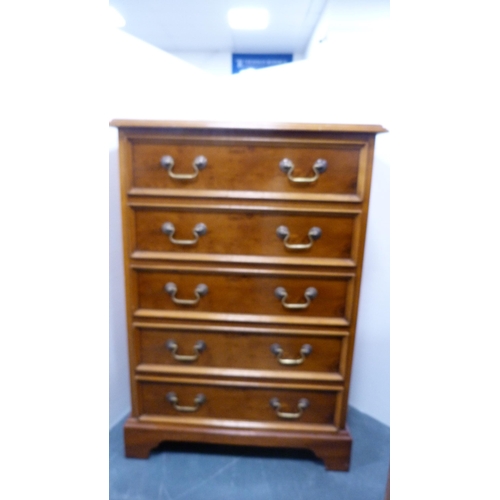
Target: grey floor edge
206,472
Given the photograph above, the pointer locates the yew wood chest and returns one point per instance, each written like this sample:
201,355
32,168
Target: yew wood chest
243,250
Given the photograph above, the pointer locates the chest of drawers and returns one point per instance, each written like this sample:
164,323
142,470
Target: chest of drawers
243,249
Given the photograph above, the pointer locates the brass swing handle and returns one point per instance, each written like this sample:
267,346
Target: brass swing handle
200,291
310,294
169,229
199,347
284,233
302,405
198,401
287,167
305,350
199,163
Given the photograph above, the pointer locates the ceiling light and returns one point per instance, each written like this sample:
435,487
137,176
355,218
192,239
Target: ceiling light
248,19
116,20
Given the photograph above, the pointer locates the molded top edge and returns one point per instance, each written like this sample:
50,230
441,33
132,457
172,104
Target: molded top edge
309,127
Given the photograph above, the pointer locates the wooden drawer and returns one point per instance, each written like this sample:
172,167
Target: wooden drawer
247,233
252,351
246,292
251,166
237,403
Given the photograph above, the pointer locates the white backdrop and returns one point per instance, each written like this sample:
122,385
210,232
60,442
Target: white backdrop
342,83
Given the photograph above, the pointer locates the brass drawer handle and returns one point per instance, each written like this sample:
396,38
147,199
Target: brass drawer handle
305,350
199,347
198,401
287,167
310,294
169,229
284,233
302,405
200,291
199,163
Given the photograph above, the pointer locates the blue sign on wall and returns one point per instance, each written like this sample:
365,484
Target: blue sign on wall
257,61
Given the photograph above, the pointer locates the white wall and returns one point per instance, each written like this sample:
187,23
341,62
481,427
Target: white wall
344,86
144,82
214,63
342,18
119,403
351,44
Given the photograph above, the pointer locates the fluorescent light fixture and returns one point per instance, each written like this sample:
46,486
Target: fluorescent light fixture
116,20
241,18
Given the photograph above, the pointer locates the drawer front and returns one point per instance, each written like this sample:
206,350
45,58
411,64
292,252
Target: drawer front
251,167
246,233
241,350
246,293
237,403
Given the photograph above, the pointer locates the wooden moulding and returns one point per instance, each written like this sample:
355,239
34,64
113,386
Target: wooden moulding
268,126
152,314
224,327
333,448
247,375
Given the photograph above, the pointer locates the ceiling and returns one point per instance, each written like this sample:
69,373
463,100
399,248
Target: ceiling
201,25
